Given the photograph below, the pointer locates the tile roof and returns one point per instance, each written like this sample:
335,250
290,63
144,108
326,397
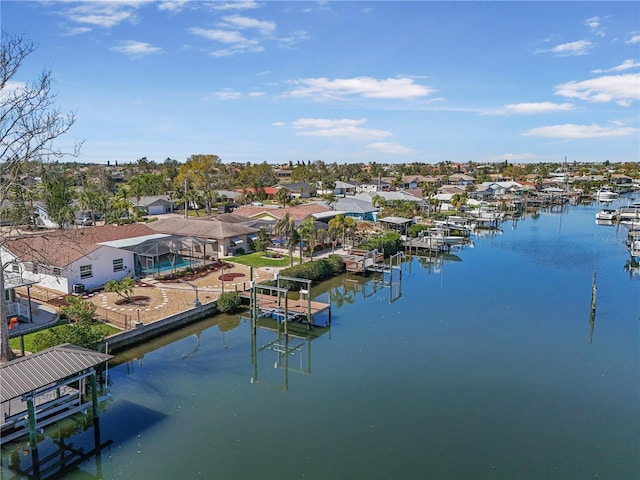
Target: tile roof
201,228
299,212
59,248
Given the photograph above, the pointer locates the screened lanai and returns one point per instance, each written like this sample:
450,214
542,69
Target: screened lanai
161,253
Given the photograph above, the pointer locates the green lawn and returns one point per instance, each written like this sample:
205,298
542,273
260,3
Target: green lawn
257,259
28,338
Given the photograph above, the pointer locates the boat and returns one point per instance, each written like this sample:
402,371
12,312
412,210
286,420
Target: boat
606,214
605,194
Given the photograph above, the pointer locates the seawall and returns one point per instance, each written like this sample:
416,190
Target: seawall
143,332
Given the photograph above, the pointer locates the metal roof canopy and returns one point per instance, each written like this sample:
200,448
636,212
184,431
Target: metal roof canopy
395,220
33,372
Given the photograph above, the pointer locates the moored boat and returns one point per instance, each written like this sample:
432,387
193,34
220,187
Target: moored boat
605,194
606,214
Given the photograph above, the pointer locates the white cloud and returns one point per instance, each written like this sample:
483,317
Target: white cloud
10,88
236,42
103,14
390,148
595,25
581,47
279,124
634,39
263,26
343,128
241,34
572,131
622,89
173,6
227,94
531,108
239,5
136,49
626,65
222,36
364,87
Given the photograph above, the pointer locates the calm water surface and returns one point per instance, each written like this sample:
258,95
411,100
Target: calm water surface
483,364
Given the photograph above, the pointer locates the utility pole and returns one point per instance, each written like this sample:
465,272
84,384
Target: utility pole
186,200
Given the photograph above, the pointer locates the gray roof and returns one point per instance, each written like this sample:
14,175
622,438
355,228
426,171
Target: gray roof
388,196
395,220
38,370
148,200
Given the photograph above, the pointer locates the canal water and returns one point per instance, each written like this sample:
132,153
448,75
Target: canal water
482,364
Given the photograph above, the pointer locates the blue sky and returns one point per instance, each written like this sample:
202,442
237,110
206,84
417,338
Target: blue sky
341,81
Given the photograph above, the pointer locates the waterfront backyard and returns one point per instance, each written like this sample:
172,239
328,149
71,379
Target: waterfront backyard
482,364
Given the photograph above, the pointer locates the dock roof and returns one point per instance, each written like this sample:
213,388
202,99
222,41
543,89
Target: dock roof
26,374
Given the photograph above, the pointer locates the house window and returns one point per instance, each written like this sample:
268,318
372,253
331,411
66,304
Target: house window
85,271
31,267
56,271
118,264
15,267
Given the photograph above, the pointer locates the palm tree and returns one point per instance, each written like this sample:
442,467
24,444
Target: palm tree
283,197
120,204
286,227
307,232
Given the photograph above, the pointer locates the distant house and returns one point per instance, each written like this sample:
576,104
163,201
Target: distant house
412,182
344,188
154,204
461,179
300,189
283,174
619,179
379,185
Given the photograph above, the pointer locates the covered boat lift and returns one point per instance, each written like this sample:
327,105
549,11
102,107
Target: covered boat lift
40,389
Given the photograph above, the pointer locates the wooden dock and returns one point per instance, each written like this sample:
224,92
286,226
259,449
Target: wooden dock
275,306
361,261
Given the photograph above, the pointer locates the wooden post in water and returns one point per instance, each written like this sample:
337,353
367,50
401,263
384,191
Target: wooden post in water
594,293
592,314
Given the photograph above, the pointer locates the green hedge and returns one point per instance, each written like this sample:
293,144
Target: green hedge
315,270
389,242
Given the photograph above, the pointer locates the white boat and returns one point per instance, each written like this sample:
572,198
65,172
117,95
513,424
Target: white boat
605,194
606,214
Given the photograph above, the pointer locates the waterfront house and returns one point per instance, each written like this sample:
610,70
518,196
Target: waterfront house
219,238
349,207
75,260
272,213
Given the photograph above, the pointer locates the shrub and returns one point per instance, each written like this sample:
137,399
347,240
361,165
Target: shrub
314,270
388,242
229,302
84,333
78,310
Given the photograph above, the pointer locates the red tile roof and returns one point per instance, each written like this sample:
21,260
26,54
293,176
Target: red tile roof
299,212
59,248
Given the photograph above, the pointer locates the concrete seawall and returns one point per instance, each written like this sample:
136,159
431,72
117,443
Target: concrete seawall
144,332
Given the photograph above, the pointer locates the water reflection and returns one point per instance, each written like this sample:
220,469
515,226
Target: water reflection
274,354
56,453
